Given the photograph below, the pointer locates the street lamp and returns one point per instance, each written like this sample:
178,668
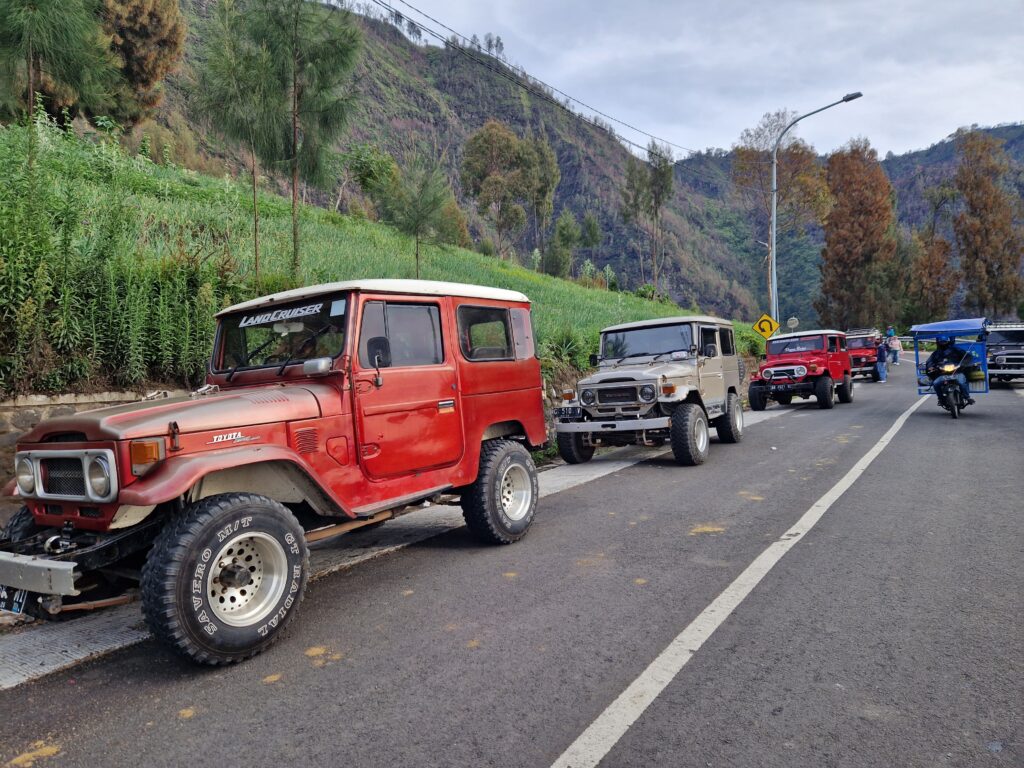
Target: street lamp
775,193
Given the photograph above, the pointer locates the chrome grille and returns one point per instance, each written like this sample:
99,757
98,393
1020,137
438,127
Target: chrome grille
63,477
616,395
783,373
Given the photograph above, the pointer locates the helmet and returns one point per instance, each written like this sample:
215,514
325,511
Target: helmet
942,342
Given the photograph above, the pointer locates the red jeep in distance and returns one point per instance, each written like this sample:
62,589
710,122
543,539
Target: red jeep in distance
862,343
801,365
326,409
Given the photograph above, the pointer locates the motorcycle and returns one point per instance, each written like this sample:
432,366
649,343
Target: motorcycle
969,336
947,388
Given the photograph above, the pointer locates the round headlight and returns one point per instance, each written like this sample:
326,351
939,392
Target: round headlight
26,476
99,477
766,373
587,397
648,393
800,371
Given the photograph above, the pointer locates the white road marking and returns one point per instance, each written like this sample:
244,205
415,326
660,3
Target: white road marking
604,733
44,648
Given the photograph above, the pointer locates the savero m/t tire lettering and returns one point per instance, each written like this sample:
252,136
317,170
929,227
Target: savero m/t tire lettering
225,577
499,507
691,440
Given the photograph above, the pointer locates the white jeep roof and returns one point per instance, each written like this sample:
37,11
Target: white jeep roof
814,332
415,287
667,321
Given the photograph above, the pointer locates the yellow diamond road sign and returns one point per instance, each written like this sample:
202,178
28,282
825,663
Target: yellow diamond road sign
766,325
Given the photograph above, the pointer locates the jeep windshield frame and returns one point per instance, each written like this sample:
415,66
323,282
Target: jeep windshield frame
646,341
268,338
796,344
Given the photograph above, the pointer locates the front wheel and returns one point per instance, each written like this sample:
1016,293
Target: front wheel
573,449
823,392
845,390
758,397
730,424
225,577
500,505
21,526
953,398
691,439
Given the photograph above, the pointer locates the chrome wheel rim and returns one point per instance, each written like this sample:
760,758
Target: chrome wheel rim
738,410
700,434
515,492
247,578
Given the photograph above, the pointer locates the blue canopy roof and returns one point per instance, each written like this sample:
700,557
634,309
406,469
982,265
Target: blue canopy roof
967,326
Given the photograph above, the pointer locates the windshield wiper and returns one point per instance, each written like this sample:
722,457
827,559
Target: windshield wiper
669,352
312,337
250,356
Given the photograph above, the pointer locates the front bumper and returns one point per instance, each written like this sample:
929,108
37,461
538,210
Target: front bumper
618,426
788,387
37,574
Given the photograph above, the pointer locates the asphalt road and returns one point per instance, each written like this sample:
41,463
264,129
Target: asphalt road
891,634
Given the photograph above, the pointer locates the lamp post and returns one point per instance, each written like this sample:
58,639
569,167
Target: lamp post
775,193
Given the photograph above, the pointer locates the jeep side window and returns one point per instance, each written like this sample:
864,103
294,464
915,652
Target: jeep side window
402,335
833,344
842,343
708,339
484,333
725,334
522,334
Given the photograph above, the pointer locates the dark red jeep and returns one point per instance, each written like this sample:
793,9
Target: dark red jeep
326,409
810,363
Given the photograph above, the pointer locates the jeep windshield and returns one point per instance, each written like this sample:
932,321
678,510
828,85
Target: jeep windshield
643,342
860,342
280,335
795,344
1006,337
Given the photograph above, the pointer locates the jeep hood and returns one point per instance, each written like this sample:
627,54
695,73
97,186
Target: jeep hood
643,372
223,410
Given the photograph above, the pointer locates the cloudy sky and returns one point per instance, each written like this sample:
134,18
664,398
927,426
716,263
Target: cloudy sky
697,72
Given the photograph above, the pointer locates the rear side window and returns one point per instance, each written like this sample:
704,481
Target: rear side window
728,348
485,333
400,335
833,344
522,334
842,343
707,338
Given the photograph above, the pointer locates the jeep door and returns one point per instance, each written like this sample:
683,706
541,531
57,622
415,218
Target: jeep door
730,360
408,412
836,354
712,378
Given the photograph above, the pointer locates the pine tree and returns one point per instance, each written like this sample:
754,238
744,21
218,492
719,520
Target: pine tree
860,241
415,198
989,241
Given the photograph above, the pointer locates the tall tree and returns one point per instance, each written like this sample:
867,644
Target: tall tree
415,198
543,181
635,201
661,166
56,41
497,171
989,240
147,38
803,197
934,277
558,261
236,94
316,47
860,241
591,237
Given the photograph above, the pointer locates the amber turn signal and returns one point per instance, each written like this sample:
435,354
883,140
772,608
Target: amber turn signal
568,394
668,389
145,454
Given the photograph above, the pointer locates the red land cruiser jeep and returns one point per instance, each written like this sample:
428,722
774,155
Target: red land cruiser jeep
803,364
862,343
326,409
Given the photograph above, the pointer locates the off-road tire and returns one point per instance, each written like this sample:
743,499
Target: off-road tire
784,399
730,424
572,449
21,526
758,397
500,505
953,399
875,375
823,392
691,437
182,569
845,390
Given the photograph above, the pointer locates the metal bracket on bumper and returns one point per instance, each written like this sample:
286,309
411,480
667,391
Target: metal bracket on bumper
37,574
622,425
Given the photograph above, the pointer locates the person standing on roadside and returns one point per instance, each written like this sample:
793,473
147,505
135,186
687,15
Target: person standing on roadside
881,355
895,346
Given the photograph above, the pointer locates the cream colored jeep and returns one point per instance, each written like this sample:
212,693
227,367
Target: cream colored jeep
668,379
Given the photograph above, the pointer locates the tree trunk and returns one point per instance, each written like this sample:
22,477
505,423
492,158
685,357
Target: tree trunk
255,220
295,175
417,257
30,97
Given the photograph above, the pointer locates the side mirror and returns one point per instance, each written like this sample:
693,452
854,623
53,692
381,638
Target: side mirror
711,350
594,359
318,366
693,349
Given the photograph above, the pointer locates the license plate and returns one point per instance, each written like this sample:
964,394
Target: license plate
780,387
569,412
13,600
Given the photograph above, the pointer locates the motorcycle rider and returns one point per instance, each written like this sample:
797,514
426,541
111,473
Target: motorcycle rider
947,352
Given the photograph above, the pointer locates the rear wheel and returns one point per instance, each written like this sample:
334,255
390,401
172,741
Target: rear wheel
691,439
845,390
875,375
573,449
225,577
730,424
758,397
824,392
500,505
21,526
